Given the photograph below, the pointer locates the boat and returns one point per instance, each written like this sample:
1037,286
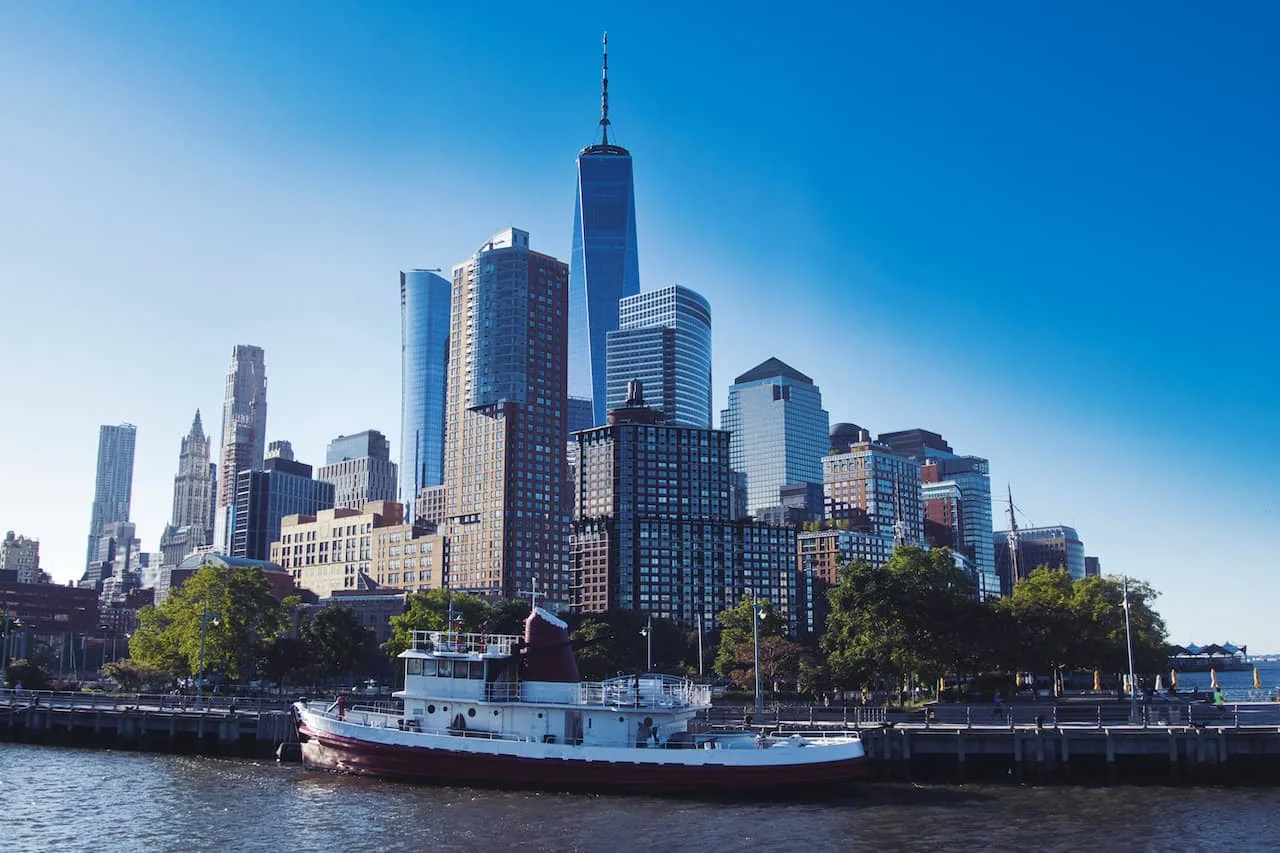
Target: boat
507,711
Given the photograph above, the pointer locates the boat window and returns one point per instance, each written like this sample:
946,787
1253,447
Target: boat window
476,669
445,668
429,667
413,666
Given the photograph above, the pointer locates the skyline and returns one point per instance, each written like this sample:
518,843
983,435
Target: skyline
1045,235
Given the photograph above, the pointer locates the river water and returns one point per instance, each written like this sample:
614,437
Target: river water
57,799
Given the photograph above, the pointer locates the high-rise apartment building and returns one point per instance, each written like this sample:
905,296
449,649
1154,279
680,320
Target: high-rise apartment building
956,491
652,524
283,487
424,360
113,484
244,433
21,555
780,432
664,340
872,490
605,266
360,468
506,517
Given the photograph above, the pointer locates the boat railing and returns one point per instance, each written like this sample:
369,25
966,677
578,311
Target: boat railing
464,643
379,717
502,691
646,691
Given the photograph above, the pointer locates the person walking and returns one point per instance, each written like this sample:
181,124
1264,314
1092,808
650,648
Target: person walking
1219,701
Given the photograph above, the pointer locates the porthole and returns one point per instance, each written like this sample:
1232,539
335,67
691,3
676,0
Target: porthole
622,719
495,712
539,715
431,709
471,712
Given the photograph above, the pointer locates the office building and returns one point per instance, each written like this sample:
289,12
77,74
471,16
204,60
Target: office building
780,432
663,340
1092,567
652,524
21,556
283,487
431,508
244,433
113,483
506,517
360,468
605,266
870,489
1055,547
424,358
191,523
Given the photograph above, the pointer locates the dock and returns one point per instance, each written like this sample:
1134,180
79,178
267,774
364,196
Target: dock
227,726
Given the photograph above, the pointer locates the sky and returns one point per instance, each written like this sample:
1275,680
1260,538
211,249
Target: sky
1046,231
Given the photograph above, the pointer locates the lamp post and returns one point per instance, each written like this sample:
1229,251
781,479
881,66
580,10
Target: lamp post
699,643
4,647
204,618
647,633
755,639
1128,638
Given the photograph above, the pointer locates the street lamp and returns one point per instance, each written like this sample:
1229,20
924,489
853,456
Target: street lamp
756,616
647,633
4,646
1128,638
204,618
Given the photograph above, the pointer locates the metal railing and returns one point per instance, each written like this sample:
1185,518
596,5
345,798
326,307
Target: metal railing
91,700
464,643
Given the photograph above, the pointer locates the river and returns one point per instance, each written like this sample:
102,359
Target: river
71,800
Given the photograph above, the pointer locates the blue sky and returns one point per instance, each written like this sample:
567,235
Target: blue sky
1047,231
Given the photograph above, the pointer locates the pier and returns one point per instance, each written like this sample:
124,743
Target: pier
241,727
1055,743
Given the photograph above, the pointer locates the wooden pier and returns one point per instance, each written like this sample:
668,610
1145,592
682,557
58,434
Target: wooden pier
214,726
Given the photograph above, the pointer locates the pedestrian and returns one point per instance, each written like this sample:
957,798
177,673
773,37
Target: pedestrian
997,709
1219,701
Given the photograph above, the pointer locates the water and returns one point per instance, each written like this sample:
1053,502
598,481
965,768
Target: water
71,800
1236,686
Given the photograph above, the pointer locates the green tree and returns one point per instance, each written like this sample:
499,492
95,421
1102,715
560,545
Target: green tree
133,677
915,616
242,616
336,643
429,611
735,652
507,617
596,645
285,660
24,672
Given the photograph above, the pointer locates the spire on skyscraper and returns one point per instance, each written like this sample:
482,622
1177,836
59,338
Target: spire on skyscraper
197,428
604,91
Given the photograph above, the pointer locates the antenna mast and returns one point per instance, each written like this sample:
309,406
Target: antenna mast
604,91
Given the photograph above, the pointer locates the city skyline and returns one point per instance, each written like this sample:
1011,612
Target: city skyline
1018,261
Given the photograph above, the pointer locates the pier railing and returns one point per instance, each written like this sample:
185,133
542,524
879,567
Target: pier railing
139,701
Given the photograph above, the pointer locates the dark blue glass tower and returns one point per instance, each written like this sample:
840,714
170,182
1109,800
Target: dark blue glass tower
424,355
604,266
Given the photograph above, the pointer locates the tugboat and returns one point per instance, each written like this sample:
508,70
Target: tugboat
505,711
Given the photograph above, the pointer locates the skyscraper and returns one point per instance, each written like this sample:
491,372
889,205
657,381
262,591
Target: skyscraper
664,340
360,468
604,266
780,432
193,484
506,516
113,485
424,360
244,432
283,487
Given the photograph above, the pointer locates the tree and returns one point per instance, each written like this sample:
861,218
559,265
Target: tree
913,617
507,617
735,653
24,672
429,611
335,642
596,645
134,677
239,614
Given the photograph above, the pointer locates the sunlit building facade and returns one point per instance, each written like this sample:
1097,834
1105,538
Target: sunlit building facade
424,358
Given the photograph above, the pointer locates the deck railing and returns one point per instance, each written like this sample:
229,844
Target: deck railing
464,643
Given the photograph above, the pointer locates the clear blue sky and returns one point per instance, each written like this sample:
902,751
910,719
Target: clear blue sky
1047,231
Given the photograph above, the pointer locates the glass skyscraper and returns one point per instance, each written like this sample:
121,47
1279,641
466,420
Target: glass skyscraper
604,266
424,358
664,340
113,484
780,432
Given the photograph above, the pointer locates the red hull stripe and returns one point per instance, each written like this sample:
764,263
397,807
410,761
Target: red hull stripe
440,766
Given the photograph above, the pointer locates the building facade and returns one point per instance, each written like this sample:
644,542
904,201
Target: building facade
244,433
505,472
871,490
780,432
1056,547
360,468
604,265
663,340
342,550
113,482
191,524
652,524
21,555
424,357
263,498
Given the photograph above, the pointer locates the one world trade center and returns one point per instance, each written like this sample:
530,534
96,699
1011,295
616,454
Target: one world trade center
604,266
